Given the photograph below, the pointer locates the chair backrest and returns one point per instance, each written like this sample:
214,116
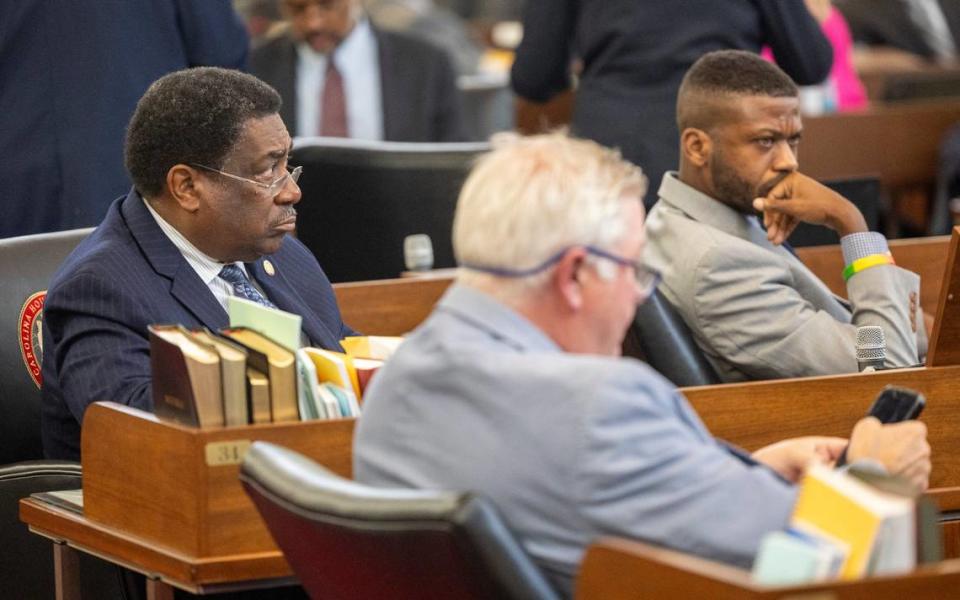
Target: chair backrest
659,336
348,540
863,192
360,199
26,559
27,263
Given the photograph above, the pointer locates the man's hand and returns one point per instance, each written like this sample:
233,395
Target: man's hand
798,198
901,448
790,458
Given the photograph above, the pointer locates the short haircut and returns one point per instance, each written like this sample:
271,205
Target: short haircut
533,196
719,76
192,116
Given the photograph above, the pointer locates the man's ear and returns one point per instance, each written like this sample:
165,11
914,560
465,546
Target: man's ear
185,187
566,278
696,146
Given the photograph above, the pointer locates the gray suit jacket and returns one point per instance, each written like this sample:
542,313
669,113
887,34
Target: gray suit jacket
421,102
754,309
568,446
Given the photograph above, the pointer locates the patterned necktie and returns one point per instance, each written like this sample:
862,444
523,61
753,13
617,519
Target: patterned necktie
333,116
242,286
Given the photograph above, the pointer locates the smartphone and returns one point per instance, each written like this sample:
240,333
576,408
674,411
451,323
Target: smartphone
893,405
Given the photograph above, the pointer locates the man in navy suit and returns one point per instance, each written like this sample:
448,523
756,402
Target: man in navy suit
208,217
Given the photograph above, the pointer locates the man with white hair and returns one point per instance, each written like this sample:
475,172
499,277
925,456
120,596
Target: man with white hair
513,387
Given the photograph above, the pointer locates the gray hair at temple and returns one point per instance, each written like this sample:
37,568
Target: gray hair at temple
531,197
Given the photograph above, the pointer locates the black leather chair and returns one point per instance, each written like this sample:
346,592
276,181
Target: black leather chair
360,199
659,336
26,560
346,540
27,264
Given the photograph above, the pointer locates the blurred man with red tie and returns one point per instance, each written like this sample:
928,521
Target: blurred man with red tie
339,76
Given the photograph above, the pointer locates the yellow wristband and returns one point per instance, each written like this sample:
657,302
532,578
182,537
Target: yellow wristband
862,264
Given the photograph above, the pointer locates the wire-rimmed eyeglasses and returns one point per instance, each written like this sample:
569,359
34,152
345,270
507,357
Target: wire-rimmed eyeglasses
272,188
646,277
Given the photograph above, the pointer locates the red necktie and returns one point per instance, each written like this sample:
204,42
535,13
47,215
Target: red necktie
333,117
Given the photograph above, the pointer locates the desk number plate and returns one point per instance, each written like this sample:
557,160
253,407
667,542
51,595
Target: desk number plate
230,452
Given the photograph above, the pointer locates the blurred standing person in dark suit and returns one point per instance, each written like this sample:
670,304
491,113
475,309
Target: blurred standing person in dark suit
70,77
634,54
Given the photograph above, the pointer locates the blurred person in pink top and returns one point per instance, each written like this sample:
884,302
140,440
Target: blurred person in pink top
846,90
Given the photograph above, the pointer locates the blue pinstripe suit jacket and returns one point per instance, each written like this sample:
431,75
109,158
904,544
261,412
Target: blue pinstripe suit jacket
126,276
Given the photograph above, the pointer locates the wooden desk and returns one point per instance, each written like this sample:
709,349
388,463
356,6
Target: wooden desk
164,568
619,569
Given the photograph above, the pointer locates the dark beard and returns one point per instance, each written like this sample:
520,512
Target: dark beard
730,188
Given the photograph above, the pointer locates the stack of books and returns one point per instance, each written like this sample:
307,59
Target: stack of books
255,372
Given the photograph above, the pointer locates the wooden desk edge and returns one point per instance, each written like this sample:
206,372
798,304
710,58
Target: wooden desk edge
185,572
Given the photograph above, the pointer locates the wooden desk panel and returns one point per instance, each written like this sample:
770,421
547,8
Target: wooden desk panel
758,413
619,569
389,306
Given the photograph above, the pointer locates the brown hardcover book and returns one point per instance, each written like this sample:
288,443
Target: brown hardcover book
186,378
279,365
233,374
258,394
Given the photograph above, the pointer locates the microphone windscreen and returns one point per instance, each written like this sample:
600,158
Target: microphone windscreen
870,343
418,252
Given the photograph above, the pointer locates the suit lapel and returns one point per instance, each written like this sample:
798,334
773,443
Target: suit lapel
274,282
390,83
185,286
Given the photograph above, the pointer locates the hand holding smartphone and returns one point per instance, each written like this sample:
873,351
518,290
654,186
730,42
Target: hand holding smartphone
893,405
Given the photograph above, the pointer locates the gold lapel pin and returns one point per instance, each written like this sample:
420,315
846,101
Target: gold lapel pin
268,267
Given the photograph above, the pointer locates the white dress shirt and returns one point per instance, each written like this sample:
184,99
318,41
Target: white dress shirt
358,61
207,268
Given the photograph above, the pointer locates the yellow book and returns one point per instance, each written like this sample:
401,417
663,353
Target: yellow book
233,373
380,347
258,394
876,528
277,363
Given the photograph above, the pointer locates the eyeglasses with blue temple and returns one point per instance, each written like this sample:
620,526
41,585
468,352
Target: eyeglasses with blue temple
646,277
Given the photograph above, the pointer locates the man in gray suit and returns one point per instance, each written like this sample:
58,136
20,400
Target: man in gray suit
340,76
513,387
756,311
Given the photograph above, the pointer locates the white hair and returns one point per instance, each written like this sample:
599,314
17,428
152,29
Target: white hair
531,197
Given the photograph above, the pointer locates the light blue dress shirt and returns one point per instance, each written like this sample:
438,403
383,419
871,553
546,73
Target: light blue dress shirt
568,446
358,61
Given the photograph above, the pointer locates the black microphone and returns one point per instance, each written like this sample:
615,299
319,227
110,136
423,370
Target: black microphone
871,348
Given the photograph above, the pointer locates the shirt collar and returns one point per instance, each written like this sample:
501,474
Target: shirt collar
500,321
206,267
701,207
